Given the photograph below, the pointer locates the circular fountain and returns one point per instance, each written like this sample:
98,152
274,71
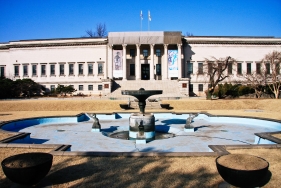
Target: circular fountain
142,125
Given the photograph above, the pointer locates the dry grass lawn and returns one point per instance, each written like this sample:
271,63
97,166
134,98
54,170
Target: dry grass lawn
78,171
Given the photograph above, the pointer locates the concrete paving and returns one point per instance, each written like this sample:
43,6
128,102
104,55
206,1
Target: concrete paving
209,131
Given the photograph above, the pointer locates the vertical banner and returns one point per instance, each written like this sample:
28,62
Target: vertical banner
117,63
173,63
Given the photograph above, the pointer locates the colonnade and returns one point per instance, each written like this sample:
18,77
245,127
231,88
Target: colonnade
164,63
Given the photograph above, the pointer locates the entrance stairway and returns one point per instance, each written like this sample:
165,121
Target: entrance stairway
170,88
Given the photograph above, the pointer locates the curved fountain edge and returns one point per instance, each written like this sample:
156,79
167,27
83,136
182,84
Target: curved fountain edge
61,149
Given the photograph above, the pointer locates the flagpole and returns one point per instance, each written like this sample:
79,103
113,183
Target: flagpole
148,19
141,20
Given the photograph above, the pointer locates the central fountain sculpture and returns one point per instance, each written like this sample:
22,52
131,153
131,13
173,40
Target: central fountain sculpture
142,125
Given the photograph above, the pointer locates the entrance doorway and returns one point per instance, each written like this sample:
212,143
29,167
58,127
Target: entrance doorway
145,72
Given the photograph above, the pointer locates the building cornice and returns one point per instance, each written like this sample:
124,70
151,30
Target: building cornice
51,44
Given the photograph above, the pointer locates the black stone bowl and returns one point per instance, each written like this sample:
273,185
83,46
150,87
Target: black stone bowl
124,106
27,168
242,178
165,106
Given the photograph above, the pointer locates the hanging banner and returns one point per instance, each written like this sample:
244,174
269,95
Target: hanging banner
117,63
173,63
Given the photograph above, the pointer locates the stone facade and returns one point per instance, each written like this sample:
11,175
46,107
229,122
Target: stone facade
92,64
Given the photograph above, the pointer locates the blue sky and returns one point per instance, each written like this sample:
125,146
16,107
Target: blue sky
45,19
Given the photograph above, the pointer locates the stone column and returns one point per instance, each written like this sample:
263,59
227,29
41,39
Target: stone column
179,62
165,63
124,62
152,62
109,60
138,71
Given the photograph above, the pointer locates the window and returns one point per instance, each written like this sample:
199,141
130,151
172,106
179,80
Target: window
132,69
145,53
200,87
190,87
53,70
52,88
158,52
189,68
16,70
43,70
239,68
132,52
61,69
267,68
80,87
99,87
277,68
2,71
71,69
100,68
80,67
200,68
90,87
34,70
210,68
249,68
258,68
158,69
229,68
25,70
90,69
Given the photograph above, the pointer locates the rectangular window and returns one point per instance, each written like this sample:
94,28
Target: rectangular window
16,70
81,88
190,87
132,52
71,69
210,68
2,71
43,70
200,68
132,69
80,69
25,70
258,68
267,68
34,70
189,68
99,87
90,69
158,52
53,71
61,69
145,53
229,68
100,68
52,88
158,69
200,87
249,68
90,87
239,68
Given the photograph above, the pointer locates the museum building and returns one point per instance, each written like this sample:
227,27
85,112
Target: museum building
131,60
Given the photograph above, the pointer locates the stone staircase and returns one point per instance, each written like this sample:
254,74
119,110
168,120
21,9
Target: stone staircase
170,88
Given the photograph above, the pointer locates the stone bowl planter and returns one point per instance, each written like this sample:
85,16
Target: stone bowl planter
242,170
165,106
124,106
27,168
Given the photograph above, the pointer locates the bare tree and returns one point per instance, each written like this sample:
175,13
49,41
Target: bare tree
100,31
272,62
215,69
256,80
188,34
